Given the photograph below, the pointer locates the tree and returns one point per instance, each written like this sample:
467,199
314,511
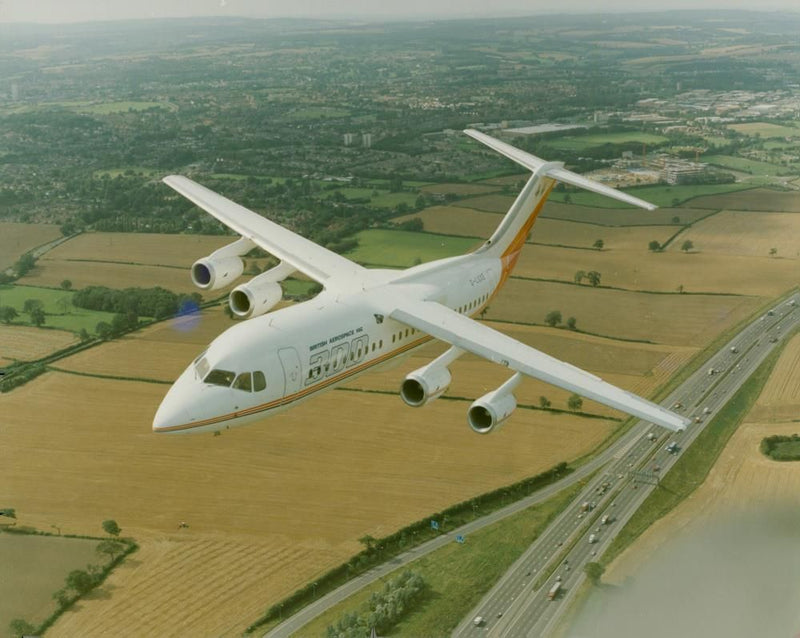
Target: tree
579,276
110,527
20,627
80,581
567,198
676,220
368,542
773,252
37,317
31,304
110,548
571,323
654,246
680,288
66,284
544,402
575,403
24,264
103,329
62,597
10,512
8,314
84,335
594,571
687,245
553,318
598,244
594,277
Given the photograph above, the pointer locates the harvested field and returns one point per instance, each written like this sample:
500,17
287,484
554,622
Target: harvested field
45,561
780,399
683,320
460,189
17,239
51,272
696,272
452,220
269,506
509,180
752,199
24,343
621,216
139,248
740,233
489,203
765,129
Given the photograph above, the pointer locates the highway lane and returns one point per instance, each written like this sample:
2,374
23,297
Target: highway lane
518,605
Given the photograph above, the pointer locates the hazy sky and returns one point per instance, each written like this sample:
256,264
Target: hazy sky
84,10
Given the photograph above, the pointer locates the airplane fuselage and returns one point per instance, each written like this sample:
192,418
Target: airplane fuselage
267,364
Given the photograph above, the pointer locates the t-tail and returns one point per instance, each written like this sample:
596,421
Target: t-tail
512,233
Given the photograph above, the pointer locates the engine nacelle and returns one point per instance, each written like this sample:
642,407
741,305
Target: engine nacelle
254,298
490,411
424,385
260,294
222,267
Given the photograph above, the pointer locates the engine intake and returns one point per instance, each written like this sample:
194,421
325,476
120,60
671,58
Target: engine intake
490,411
222,267
429,382
260,294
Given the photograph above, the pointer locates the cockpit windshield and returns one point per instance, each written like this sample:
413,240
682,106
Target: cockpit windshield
223,378
201,366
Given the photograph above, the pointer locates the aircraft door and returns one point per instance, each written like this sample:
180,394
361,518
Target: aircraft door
291,370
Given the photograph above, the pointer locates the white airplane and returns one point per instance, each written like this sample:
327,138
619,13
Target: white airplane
365,317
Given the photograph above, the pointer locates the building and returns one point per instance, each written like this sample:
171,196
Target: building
366,140
348,139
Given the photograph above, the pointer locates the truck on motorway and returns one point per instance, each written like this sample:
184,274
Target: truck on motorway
592,538
672,448
478,621
606,519
554,591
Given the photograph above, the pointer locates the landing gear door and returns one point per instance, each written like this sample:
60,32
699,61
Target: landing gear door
291,370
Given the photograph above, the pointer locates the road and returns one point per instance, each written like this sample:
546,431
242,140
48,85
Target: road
519,605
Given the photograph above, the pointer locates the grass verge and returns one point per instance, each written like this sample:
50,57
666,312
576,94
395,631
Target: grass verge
458,575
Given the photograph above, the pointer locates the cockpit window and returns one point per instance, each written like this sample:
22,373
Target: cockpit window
244,382
201,366
259,382
220,377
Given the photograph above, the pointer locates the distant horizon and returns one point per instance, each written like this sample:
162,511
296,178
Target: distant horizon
80,11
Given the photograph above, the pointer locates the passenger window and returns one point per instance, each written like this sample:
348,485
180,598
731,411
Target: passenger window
259,381
406,332
244,382
222,378
393,338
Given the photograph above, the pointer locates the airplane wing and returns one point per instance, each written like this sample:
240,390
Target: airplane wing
465,333
321,264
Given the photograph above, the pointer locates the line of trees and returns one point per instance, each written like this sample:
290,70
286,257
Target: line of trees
143,302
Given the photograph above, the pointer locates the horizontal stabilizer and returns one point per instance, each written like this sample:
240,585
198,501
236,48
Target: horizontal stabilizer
559,173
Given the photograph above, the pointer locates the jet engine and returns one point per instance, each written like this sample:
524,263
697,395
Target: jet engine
260,294
221,267
429,382
490,411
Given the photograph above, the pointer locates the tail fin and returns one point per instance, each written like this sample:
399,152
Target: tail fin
511,234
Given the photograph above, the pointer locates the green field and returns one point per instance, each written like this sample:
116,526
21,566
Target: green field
658,195
316,113
122,107
33,569
57,305
582,142
401,249
458,574
765,129
745,165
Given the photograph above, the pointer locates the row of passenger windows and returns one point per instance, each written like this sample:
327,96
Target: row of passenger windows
472,305
402,334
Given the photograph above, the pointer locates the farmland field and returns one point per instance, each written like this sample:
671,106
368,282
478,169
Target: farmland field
696,272
582,142
45,561
138,248
765,129
452,220
746,165
745,233
660,195
621,216
26,343
17,239
753,199
626,314
398,248
268,507
460,189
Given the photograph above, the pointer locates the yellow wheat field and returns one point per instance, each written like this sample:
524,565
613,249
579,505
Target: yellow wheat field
293,493
139,248
680,320
749,234
754,199
17,239
26,344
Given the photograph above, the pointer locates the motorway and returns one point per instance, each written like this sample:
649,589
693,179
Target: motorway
517,597
519,604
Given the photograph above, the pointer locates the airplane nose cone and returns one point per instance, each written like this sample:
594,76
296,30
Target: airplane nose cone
171,413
